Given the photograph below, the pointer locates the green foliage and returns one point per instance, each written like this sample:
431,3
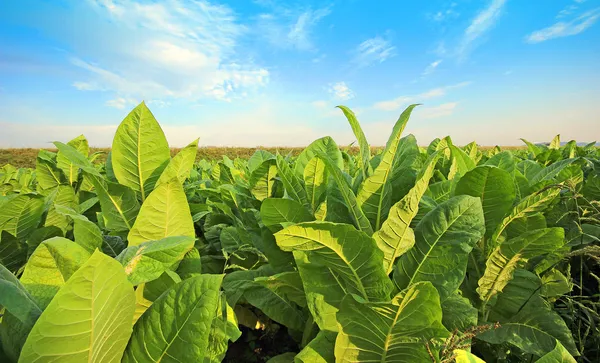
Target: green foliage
398,254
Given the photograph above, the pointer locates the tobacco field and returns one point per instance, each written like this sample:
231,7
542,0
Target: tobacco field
408,254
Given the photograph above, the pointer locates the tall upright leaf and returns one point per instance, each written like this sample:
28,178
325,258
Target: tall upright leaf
395,236
374,195
181,165
315,181
291,183
165,213
140,151
349,198
88,320
365,150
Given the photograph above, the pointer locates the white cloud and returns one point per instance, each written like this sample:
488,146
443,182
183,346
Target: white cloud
289,28
340,91
171,49
481,23
431,67
567,11
121,102
373,50
448,13
565,29
445,109
398,102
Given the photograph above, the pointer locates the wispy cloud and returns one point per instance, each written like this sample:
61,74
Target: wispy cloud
290,28
568,10
340,91
565,29
448,13
445,109
121,103
170,49
481,24
398,102
373,50
431,67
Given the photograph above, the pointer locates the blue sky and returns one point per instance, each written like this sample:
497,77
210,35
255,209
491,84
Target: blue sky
250,73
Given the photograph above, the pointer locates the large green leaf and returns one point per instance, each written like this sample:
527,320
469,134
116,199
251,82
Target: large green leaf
262,179
504,160
48,175
374,195
395,236
278,296
178,324
87,234
347,195
512,253
461,162
393,331
324,291
291,183
495,188
76,157
89,319
315,181
52,263
557,355
13,252
528,206
16,300
140,151
147,261
534,329
224,329
21,215
444,239
119,204
365,150
318,350
63,195
324,145
458,313
71,170
181,165
277,213
165,213
259,157
350,254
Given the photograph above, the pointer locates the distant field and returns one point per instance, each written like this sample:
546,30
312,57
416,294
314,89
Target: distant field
25,158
